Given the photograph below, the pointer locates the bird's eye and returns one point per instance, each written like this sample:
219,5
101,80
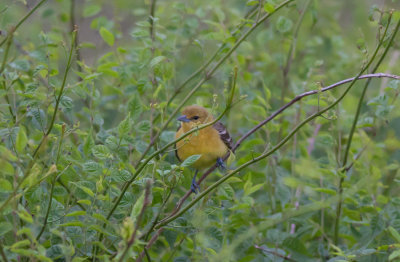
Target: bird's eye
195,117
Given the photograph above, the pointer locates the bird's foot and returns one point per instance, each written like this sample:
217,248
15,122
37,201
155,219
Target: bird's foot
194,186
221,165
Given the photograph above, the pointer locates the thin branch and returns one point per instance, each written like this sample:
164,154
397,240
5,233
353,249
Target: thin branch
145,162
156,219
289,59
73,25
70,193
153,77
357,114
6,52
132,239
208,75
2,253
238,29
23,20
52,184
195,129
151,242
175,213
45,136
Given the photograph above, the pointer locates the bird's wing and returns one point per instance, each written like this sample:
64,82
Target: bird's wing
176,151
224,134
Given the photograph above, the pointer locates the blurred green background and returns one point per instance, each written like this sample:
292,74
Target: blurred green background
121,70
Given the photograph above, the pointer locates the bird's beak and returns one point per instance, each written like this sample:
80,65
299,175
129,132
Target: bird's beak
183,118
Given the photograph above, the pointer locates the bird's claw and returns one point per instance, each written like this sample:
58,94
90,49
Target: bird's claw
220,163
194,186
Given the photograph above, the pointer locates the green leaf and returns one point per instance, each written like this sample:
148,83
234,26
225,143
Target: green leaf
5,185
252,2
101,152
22,65
24,215
135,107
107,36
326,191
72,224
396,15
21,243
125,126
295,244
21,141
91,10
89,143
226,191
144,126
284,24
394,233
84,201
137,207
253,189
100,217
190,160
156,60
76,213
84,189
395,254
91,167
6,154
269,8
5,227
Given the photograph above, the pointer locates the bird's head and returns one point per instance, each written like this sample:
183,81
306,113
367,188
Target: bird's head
194,115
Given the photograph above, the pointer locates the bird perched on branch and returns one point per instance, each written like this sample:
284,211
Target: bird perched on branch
212,142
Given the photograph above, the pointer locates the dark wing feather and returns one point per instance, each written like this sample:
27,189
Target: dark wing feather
224,134
176,151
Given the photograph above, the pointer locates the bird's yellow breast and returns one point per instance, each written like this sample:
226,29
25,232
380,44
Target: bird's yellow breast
205,142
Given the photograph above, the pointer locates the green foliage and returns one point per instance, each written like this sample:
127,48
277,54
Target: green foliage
84,124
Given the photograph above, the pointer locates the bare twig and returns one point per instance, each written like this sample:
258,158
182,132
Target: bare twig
151,242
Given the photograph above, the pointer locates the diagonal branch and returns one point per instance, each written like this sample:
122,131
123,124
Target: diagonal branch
209,74
357,114
23,19
174,214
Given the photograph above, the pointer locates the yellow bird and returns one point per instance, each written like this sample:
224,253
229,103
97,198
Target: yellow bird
212,142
